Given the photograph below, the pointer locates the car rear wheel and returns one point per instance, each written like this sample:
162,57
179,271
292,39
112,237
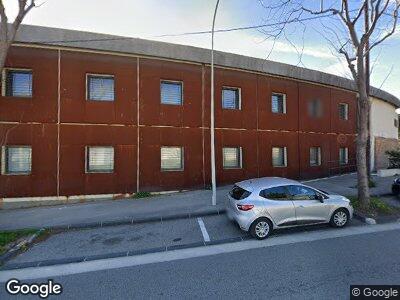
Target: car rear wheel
261,228
339,218
396,189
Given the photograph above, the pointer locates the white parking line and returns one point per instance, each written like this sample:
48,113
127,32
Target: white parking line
203,229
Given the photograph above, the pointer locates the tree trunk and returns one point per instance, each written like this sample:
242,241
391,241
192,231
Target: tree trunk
5,43
4,46
362,136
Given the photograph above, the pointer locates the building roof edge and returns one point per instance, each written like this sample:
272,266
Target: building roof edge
49,36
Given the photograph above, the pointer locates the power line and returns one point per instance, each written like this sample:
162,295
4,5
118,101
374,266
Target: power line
295,20
247,27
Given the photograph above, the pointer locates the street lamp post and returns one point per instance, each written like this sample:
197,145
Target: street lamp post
212,126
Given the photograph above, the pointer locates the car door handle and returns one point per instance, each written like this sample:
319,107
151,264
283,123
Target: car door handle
302,206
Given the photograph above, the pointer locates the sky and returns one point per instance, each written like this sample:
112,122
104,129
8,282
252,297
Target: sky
151,19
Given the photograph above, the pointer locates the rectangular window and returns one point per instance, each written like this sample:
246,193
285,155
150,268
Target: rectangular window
343,156
315,156
231,98
99,159
171,158
17,160
275,193
343,111
232,157
279,157
100,87
278,103
396,123
315,108
171,92
17,83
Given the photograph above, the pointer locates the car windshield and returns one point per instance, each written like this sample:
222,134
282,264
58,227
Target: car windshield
239,193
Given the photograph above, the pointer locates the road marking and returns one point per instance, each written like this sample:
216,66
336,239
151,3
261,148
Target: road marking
166,256
203,229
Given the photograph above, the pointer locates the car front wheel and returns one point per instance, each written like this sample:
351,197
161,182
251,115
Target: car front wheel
339,218
261,228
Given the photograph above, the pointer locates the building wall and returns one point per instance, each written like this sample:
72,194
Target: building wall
382,119
384,133
59,123
73,140
381,146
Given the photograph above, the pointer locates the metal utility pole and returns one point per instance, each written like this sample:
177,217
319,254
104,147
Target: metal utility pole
212,126
367,78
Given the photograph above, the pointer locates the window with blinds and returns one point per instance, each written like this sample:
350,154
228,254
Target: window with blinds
230,98
99,159
171,92
17,83
232,157
17,159
343,111
278,103
315,156
100,87
343,156
279,157
171,158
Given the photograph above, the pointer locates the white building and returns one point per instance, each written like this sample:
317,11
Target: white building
384,132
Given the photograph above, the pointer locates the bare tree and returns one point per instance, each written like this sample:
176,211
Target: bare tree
9,30
352,29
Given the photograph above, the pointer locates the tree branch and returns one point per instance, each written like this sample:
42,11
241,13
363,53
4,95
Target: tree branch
391,32
359,13
350,61
23,10
4,20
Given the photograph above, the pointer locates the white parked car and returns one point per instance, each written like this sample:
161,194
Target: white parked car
263,204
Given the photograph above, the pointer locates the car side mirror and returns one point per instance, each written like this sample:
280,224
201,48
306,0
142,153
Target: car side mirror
320,198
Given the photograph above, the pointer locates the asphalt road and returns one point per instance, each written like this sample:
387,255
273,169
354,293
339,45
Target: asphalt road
315,269
145,236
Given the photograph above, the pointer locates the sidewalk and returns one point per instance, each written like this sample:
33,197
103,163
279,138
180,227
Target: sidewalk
156,207
346,185
192,202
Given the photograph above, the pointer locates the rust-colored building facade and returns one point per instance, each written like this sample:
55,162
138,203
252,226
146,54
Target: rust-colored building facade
59,123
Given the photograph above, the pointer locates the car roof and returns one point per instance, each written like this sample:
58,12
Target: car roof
265,182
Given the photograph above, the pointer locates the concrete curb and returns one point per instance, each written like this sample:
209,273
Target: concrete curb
126,221
14,250
139,220
327,177
133,220
31,202
363,218
78,259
